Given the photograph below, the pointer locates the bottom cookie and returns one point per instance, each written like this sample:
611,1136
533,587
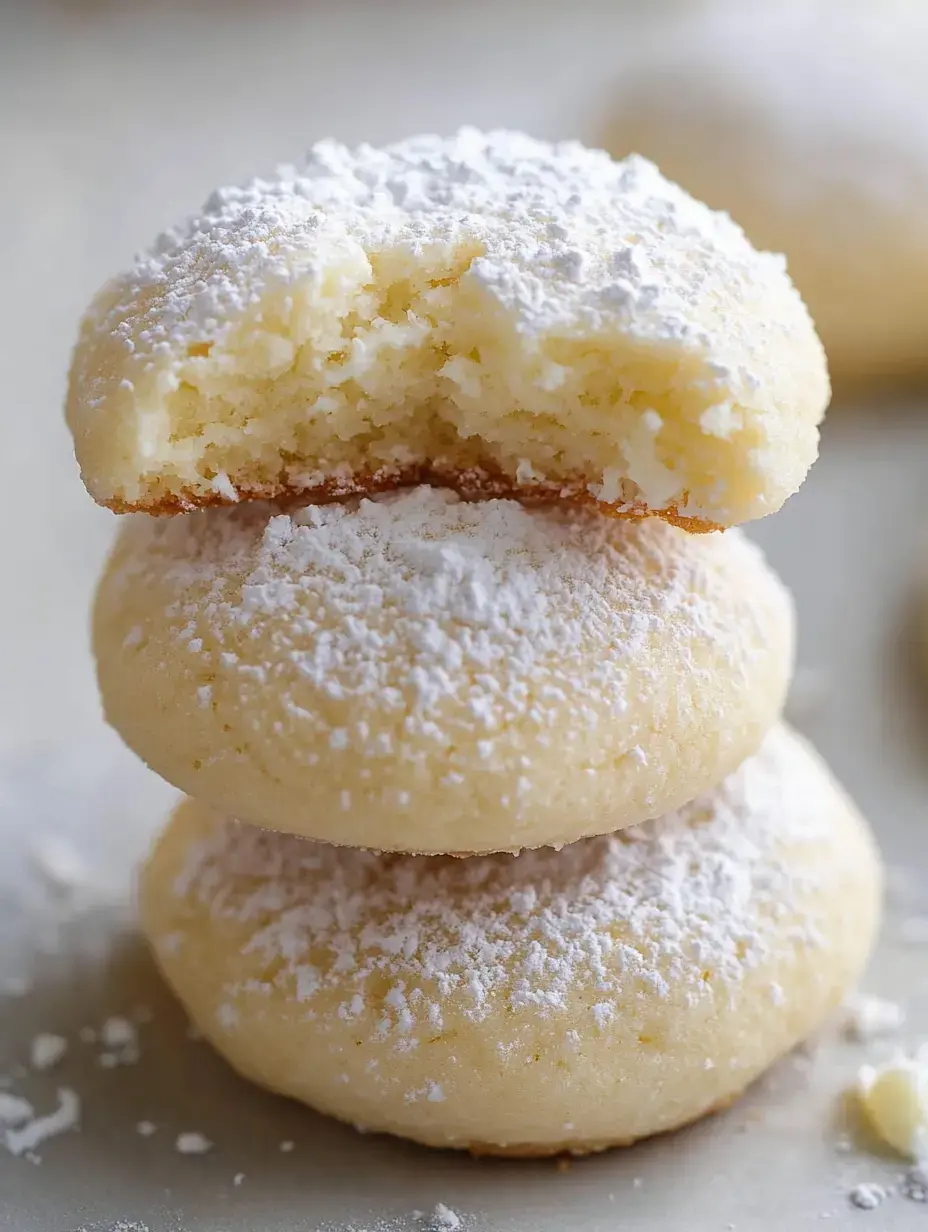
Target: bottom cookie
525,1005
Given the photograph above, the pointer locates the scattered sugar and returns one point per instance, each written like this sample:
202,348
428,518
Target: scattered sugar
462,617
915,1183
119,1033
287,1146
612,245
13,1110
27,1136
445,1218
192,1143
651,908
46,1050
238,1178
869,1017
441,1218
145,1128
119,1226
867,1196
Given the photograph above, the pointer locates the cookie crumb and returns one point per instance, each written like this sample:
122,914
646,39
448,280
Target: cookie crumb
867,1196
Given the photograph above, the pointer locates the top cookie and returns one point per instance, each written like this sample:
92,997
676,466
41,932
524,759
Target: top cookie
489,312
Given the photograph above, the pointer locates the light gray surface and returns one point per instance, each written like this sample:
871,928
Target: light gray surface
113,120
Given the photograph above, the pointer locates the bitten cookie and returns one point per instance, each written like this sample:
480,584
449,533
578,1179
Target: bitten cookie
808,122
421,673
489,312
525,1005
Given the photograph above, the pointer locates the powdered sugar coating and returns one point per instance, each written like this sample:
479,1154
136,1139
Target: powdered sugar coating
484,305
422,655
526,1004
566,238
680,907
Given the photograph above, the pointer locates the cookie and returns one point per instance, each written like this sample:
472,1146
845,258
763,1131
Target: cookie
531,1004
420,673
488,312
807,122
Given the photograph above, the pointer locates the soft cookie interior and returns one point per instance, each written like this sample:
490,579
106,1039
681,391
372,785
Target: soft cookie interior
489,312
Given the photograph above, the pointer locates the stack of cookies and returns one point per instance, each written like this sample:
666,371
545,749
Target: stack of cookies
494,837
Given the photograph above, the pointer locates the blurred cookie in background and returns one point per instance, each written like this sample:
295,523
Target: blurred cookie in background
808,123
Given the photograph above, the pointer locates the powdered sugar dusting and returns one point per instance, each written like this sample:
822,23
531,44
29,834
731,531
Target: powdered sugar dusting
192,1143
684,904
557,236
409,608
29,1134
47,1050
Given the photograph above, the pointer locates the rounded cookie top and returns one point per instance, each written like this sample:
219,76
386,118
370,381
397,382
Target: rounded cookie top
809,123
674,908
785,81
616,988
463,280
418,672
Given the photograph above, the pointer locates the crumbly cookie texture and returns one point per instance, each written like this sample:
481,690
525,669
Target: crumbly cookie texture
421,673
555,1000
895,1098
488,311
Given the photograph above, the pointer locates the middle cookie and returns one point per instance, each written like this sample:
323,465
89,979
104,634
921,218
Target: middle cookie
419,673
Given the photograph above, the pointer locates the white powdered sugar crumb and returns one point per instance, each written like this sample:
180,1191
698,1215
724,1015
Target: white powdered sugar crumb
145,1128
119,1032
238,1179
685,903
192,1143
121,1040
555,236
445,1218
455,616
867,1196
287,1146
14,1110
915,1183
46,1050
27,1136
869,1017
441,1218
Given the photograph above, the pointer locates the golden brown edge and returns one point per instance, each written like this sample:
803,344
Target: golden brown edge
470,485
